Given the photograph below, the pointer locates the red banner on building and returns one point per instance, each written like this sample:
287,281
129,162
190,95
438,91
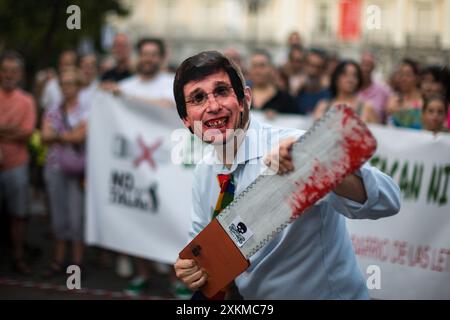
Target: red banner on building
349,20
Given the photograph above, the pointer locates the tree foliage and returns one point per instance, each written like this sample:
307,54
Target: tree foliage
37,29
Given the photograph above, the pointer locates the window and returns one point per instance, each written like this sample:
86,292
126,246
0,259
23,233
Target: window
424,18
323,25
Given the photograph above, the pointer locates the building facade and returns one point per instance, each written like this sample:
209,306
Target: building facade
391,28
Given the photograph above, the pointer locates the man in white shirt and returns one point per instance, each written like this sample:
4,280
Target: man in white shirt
313,257
150,84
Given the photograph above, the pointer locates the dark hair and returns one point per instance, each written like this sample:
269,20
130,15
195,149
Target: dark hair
441,75
319,52
413,64
434,71
427,101
200,66
13,55
340,69
263,52
157,41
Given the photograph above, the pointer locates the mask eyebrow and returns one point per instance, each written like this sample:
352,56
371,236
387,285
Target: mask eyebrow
200,90
221,83
195,92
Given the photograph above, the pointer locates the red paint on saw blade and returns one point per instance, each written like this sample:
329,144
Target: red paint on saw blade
358,146
310,191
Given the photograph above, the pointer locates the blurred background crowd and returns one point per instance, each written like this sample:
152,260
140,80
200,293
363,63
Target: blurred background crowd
298,62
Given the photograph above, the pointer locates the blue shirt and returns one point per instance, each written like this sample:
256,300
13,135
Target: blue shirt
313,257
307,102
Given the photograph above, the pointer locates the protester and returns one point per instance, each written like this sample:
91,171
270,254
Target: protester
346,82
266,95
436,82
17,121
64,130
311,88
434,112
150,84
121,52
405,107
294,68
372,91
51,94
294,39
432,81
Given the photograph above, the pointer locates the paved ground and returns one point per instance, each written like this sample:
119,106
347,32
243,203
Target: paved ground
39,240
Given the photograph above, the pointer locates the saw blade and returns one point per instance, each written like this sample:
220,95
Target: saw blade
335,146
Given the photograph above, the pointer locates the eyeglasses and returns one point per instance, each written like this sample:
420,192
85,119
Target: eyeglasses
221,93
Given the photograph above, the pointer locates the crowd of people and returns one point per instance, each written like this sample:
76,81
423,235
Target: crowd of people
311,82
43,134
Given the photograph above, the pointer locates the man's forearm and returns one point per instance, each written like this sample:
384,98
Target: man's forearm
352,188
15,136
6,129
15,132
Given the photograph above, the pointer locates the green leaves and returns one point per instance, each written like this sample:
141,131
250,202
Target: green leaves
37,29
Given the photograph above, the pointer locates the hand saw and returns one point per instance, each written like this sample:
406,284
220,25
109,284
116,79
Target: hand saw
335,146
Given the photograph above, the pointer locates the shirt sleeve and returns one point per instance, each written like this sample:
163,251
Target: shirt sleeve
383,197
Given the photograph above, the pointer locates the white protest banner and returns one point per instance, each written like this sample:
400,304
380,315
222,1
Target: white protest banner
411,250
138,200
285,120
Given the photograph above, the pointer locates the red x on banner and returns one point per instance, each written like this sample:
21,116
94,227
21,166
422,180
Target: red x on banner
147,152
